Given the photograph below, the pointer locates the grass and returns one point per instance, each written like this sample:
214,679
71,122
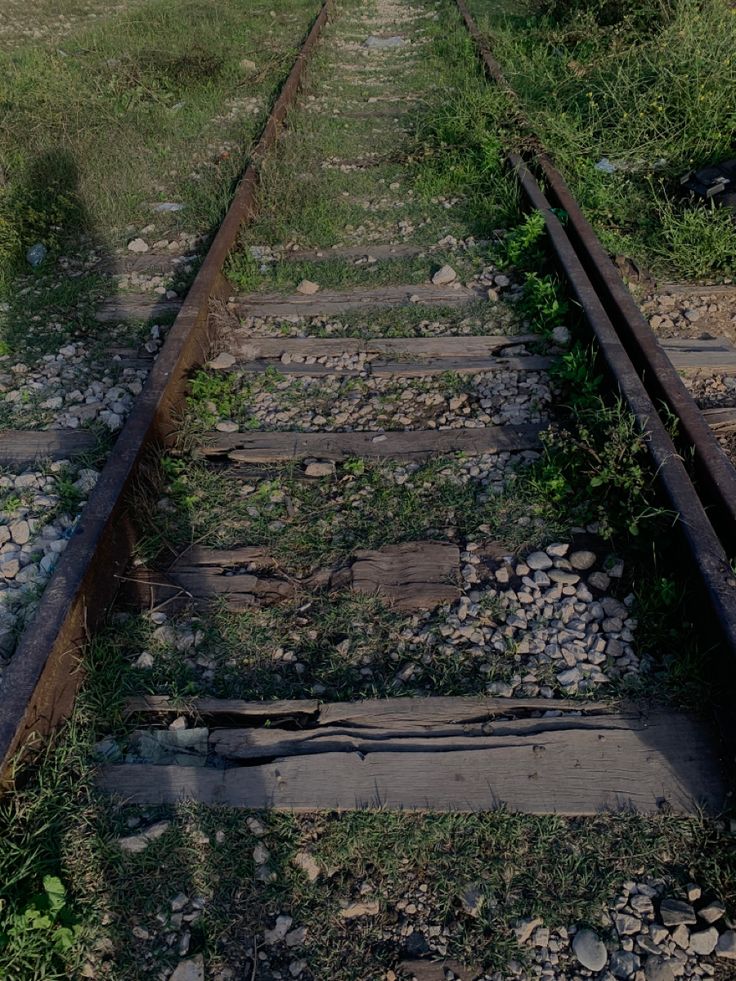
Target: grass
250,276
117,906
561,869
154,81
454,113
312,523
645,85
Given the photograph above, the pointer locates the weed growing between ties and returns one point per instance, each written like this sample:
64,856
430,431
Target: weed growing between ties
646,87
73,898
441,174
252,275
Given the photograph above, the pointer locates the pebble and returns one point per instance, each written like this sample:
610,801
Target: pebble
307,863
356,910
626,924
320,469
139,842
658,969
561,335
278,933
444,276
582,560
138,246
539,560
307,287
726,946
222,362
675,911
189,970
590,950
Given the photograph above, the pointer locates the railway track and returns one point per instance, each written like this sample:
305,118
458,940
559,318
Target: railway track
320,410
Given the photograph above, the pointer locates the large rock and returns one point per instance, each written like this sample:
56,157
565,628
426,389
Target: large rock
590,950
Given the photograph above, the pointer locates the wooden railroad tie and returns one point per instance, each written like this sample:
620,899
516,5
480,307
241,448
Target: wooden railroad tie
417,444
409,576
440,754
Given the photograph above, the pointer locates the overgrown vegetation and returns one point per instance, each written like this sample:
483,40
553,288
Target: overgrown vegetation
646,86
72,899
146,124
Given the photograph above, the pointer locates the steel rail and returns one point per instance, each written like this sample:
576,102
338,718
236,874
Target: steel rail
702,540
641,369
40,682
712,467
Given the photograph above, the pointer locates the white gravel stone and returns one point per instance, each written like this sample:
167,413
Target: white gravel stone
590,950
539,560
189,970
444,276
703,942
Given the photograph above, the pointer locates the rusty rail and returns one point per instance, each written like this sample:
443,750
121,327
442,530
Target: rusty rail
41,680
642,371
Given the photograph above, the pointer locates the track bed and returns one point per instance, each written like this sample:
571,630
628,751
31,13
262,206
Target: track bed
358,591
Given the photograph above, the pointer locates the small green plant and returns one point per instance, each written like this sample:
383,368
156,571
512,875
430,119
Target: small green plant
522,247
596,467
69,495
543,302
356,468
212,396
43,929
576,371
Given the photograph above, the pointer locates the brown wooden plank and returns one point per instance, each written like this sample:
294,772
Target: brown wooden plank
225,558
218,708
149,264
423,713
669,763
238,592
333,302
136,307
22,448
689,289
407,369
241,343
722,420
417,444
413,575
426,970
716,355
269,742
400,250
417,714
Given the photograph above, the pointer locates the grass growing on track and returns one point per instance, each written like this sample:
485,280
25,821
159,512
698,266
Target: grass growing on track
125,115
647,84
560,869
450,149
